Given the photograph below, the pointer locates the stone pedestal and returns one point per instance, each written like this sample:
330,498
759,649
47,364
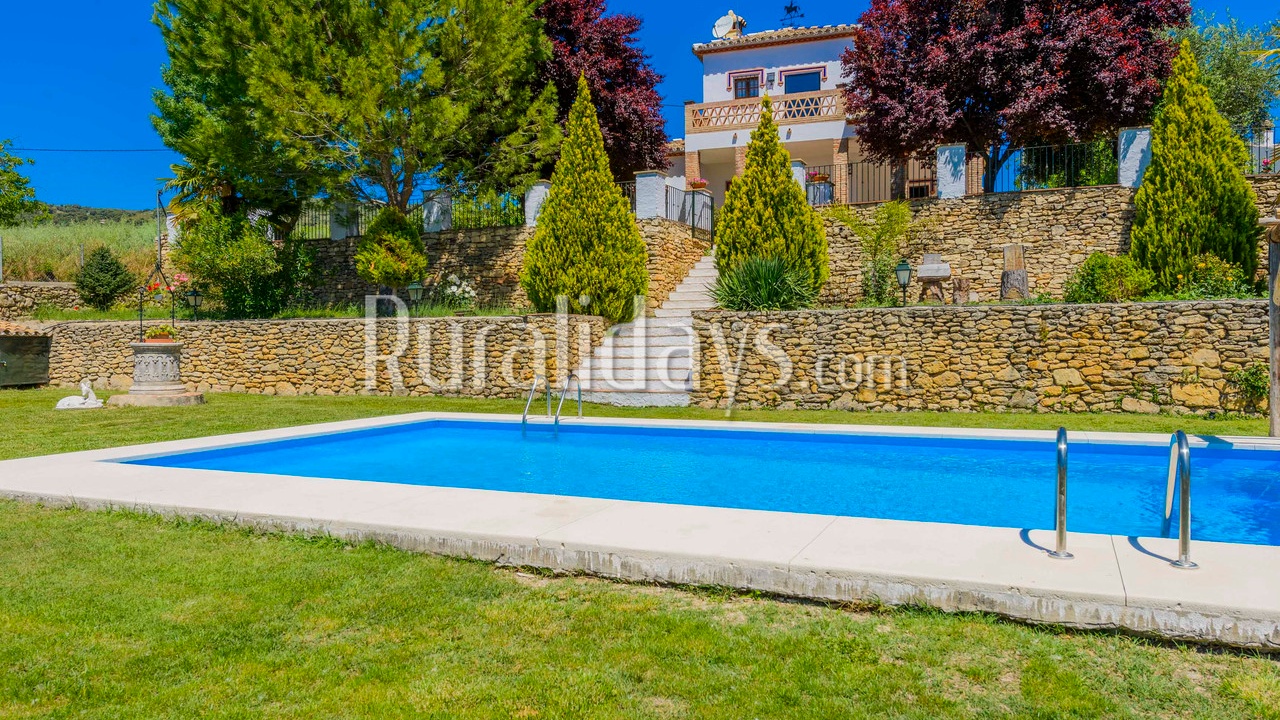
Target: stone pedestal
157,378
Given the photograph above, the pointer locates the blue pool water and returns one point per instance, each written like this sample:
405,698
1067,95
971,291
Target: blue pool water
1114,489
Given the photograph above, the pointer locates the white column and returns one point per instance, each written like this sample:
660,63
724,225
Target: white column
1135,155
337,228
533,199
437,214
799,172
651,194
952,170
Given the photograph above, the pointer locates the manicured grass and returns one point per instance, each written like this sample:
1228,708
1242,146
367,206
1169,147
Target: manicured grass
32,427
124,615
120,615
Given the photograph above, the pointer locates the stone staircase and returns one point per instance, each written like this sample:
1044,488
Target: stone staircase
649,362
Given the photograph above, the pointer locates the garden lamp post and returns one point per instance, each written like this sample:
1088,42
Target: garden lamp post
195,298
903,271
415,293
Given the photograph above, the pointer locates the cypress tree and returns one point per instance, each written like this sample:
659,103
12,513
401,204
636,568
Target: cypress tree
1194,198
104,279
587,245
766,213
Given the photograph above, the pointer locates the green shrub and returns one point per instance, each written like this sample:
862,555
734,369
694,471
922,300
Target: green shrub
1104,278
104,279
882,241
1194,198
244,271
1252,384
391,252
764,284
1210,277
587,246
766,213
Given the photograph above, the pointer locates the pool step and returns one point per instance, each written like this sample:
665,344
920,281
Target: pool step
649,362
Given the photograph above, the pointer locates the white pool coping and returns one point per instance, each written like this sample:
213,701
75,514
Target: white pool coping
1113,582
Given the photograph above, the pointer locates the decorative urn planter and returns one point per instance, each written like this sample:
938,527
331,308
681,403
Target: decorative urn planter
157,368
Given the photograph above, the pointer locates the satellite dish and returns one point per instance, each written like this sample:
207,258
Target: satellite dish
729,26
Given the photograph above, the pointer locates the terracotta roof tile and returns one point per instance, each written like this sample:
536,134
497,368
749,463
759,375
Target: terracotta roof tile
774,37
8,328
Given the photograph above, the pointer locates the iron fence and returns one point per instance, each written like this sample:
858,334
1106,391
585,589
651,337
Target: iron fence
1049,166
629,191
1264,153
506,210
870,182
313,222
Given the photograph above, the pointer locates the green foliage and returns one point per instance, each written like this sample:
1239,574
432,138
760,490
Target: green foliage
391,252
50,251
104,279
882,242
1074,165
587,246
1242,89
1194,198
765,211
764,284
17,197
1252,384
1104,278
1210,277
156,331
489,209
233,260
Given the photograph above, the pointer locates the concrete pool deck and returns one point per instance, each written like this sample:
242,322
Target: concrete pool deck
1114,582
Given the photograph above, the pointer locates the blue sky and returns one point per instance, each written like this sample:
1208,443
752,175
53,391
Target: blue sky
79,75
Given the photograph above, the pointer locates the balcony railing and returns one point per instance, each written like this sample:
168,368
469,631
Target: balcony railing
820,106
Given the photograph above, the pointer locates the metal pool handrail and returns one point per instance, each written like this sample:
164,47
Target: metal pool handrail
1179,472
565,391
1060,510
533,391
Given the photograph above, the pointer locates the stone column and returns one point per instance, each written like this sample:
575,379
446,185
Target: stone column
953,177
437,214
692,167
338,215
1134,156
651,194
533,199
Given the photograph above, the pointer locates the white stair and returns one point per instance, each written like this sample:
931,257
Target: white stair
648,362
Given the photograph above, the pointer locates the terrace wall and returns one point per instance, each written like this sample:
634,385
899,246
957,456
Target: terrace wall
493,357
1058,229
1141,357
19,299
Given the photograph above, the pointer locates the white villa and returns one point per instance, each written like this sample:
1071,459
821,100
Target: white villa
799,69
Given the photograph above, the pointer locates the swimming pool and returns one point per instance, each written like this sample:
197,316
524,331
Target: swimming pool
1115,489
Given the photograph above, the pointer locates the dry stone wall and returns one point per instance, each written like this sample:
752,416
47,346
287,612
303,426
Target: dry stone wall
491,260
493,357
1141,357
1058,229
19,299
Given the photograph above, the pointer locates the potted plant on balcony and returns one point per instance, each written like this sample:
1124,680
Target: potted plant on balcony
818,176
161,334
698,183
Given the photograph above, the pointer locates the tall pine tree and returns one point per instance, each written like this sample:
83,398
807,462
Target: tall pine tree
587,246
1194,198
766,213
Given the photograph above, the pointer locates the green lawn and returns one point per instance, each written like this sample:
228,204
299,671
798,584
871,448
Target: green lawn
117,615
32,427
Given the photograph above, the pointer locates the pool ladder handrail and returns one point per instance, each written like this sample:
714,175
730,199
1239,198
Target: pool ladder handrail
1060,508
533,392
565,391
1179,474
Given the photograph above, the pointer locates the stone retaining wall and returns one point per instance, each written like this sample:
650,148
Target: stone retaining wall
1058,229
1142,357
474,356
491,260
19,299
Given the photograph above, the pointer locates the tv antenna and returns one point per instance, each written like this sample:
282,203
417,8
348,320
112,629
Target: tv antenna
728,27
793,13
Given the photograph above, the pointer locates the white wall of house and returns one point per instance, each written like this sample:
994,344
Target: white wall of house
676,172
719,67
830,130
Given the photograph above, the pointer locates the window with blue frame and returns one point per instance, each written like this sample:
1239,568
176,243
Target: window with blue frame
802,82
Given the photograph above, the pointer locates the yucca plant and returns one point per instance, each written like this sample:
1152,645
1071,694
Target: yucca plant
768,283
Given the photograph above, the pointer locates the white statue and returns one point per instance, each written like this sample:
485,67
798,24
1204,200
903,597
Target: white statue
86,401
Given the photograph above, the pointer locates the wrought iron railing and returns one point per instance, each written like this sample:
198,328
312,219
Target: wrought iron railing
870,182
1048,166
1264,152
506,210
629,191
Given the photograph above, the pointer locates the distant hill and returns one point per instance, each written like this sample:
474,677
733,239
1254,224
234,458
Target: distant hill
72,214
